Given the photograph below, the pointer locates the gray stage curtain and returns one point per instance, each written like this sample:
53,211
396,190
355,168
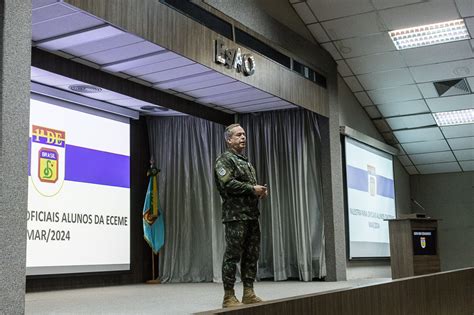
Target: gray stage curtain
285,147
185,149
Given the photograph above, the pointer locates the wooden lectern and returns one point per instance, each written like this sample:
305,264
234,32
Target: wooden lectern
413,247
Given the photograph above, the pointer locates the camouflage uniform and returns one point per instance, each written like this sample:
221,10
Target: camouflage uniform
235,178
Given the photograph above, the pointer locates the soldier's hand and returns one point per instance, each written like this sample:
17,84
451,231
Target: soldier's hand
260,191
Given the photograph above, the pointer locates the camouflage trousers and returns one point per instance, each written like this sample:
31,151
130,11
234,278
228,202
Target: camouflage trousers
242,240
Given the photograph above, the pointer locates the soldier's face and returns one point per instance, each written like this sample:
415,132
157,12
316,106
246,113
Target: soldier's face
238,140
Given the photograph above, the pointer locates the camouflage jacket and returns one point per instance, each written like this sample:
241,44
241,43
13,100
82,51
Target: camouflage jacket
235,178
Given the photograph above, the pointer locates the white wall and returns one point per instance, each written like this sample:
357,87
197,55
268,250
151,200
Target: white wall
354,116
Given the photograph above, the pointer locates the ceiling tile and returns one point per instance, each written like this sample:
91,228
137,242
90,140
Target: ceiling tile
332,50
381,125
131,102
404,160
443,71
449,103
385,4
123,53
37,72
254,102
437,53
427,90
216,98
318,32
432,157
40,3
159,66
416,135
360,46
425,146
304,13
458,131
465,7
353,84
411,170
377,62
160,56
470,81
343,69
170,84
403,108
412,121
461,143
449,167
63,25
385,79
400,149
253,95
363,98
389,138
174,73
218,89
470,25
419,14
93,35
86,48
50,12
467,165
464,155
396,94
56,80
204,84
354,26
372,111
326,10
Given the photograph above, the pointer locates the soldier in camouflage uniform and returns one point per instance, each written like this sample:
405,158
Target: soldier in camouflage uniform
237,184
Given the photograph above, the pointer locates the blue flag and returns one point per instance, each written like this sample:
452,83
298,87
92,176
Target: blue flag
153,223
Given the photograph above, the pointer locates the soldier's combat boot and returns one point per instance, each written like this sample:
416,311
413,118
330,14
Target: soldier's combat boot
229,299
249,296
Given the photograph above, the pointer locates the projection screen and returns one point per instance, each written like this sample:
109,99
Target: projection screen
370,199
78,189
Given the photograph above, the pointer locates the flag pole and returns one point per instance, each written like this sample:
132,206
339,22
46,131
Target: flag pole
153,280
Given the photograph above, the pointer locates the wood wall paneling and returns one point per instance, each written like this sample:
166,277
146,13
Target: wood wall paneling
172,30
443,293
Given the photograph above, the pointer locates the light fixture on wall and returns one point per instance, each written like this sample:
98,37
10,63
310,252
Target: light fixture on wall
430,34
456,117
154,108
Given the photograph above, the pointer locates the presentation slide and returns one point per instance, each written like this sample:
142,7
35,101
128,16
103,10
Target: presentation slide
79,189
370,199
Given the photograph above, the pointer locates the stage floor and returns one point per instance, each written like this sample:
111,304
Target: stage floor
172,298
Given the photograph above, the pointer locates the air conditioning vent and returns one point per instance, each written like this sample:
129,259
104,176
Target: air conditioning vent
81,88
452,87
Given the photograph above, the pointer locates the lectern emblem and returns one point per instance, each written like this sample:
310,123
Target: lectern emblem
423,242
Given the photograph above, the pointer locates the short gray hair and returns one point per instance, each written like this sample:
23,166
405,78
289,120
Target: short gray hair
228,131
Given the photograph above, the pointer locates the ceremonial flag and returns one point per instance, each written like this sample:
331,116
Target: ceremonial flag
153,223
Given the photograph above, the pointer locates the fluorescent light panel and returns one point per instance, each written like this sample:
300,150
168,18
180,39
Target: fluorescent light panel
457,117
430,34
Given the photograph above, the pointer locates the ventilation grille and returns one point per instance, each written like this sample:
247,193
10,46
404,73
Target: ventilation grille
81,88
452,87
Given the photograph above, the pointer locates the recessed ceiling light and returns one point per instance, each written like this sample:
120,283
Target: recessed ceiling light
82,88
457,117
430,34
